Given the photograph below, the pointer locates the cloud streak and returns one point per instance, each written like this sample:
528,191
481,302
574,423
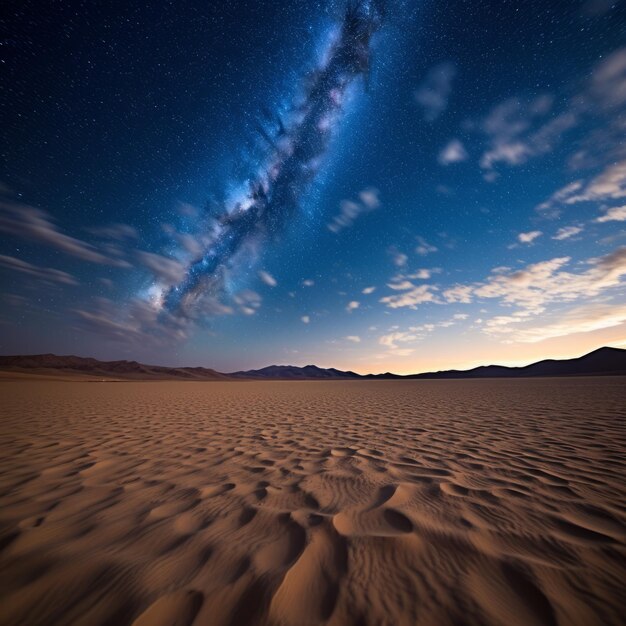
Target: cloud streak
532,293
350,210
434,92
47,274
37,225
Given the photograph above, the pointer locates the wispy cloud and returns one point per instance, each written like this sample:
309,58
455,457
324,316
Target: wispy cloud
584,319
352,306
412,298
305,319
434,92
267,278
397,341
459,293
519,130
248,301
607,186
117,232
353,338
552,207
36,225
453,152
393,340
398,258
46,274
368,290
614,214
529,237
566,232
608,81
350,209
165,269
531,289
140,323
423,247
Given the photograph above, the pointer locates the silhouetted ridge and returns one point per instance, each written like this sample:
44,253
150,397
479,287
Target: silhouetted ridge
52,364
603,361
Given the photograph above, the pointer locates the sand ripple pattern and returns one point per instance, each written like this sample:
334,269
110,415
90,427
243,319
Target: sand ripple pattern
437,503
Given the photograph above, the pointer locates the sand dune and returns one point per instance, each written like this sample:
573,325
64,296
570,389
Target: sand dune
293,503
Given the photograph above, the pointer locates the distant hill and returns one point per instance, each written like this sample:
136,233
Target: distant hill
53,366
604,361
293,372
601,362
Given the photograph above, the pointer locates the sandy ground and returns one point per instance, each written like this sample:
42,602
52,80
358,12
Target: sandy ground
293,503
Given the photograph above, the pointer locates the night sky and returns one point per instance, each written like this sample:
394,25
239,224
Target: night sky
373,186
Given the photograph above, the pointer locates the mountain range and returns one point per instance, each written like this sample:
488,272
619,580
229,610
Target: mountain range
51,365
603,361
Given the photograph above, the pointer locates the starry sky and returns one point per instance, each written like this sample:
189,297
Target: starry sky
394,185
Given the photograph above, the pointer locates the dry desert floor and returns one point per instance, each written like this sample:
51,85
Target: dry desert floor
440,503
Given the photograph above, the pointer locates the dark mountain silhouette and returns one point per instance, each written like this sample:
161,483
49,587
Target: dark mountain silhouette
603,361
292,371
76,366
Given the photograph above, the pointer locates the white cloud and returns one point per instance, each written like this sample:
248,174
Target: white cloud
434,92
402,285
350,210
538,284
530,289
308,282
529,237
459,293
399,258
353,305
402,282
368,290
391,340
369,197
453,152
608,185
305,319
424,247
422,274
614,214
582,319
566,232
353,338
551,208
267,278
413,298
249,301
518,131
394,339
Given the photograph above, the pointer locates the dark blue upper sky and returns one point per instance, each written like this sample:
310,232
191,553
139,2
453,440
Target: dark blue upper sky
407,187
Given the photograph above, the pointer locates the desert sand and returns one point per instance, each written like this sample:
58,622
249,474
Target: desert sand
487,502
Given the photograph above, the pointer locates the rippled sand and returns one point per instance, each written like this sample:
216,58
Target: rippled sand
346,503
